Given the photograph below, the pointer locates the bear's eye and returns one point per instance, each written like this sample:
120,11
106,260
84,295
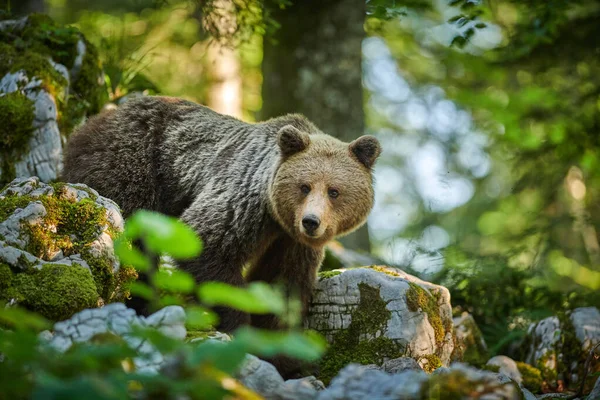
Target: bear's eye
333,193
305,189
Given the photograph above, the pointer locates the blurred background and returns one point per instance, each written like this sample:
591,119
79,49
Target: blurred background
488,113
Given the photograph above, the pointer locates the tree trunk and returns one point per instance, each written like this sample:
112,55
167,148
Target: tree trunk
314,68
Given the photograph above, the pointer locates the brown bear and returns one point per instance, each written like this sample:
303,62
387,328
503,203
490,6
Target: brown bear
270,194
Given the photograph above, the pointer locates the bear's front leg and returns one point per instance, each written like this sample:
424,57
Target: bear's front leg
222,258
291,264
294,265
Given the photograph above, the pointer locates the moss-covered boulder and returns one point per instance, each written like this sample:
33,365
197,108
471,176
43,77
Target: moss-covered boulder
454,383
470,345
56,248
373,314
50,79
559,347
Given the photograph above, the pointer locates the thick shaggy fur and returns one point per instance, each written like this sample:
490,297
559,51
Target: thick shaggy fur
242,187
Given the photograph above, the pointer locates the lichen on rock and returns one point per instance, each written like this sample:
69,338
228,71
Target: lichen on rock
56,248
470,345
365,315
558,346
50,79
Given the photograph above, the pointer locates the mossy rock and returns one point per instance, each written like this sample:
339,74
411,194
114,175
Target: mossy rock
372,314
57,241
470,346
55,291
559,346
532,377
38,56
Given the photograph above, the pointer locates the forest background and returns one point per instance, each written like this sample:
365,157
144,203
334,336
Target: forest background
488,113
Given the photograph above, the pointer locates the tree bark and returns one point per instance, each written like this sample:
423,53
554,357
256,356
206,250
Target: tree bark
314,68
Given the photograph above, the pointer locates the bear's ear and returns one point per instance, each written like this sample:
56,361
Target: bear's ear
366,149
291,140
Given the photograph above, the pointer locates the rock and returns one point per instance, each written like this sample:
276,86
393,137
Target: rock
470,345
56,248
47,87
459,381
299,389
595,393
506,366
558,346
260,376
400,364
116,319
370,315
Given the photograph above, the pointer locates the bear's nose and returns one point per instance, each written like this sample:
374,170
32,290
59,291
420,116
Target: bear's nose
310,223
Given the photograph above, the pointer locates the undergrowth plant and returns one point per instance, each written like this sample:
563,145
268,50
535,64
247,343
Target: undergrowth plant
103,368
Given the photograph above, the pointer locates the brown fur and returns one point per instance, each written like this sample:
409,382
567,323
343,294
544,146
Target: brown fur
241,187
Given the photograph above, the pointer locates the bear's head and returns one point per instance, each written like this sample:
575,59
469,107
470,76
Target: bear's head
323,187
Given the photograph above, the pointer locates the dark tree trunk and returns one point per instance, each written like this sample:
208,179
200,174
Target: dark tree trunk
314,68
24,7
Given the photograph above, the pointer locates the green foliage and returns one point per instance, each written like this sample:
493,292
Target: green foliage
526,245
16,114
103,368
32,46
257,298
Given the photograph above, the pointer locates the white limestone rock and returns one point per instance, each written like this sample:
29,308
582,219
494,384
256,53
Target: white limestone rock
119,320
423,334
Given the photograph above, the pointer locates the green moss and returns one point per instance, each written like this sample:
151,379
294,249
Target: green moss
10,203
471,349
16,114
532,377
70,227
328,274
491,368
86,84
549,375
571,352
455,385
369,318
432,363
417,299
385,270
31,48
5,277
56,291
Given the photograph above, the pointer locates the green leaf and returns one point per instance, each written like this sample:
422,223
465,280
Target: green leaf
309,346
142,290
19,318
226,357
174,280
163,234
200,318
258,298
130,255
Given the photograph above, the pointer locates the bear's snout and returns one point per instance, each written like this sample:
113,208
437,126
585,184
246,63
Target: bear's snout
310,223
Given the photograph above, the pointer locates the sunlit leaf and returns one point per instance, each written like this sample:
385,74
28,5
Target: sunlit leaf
142,290
200,318
258,298
163,234
174,280
130,255
303,346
